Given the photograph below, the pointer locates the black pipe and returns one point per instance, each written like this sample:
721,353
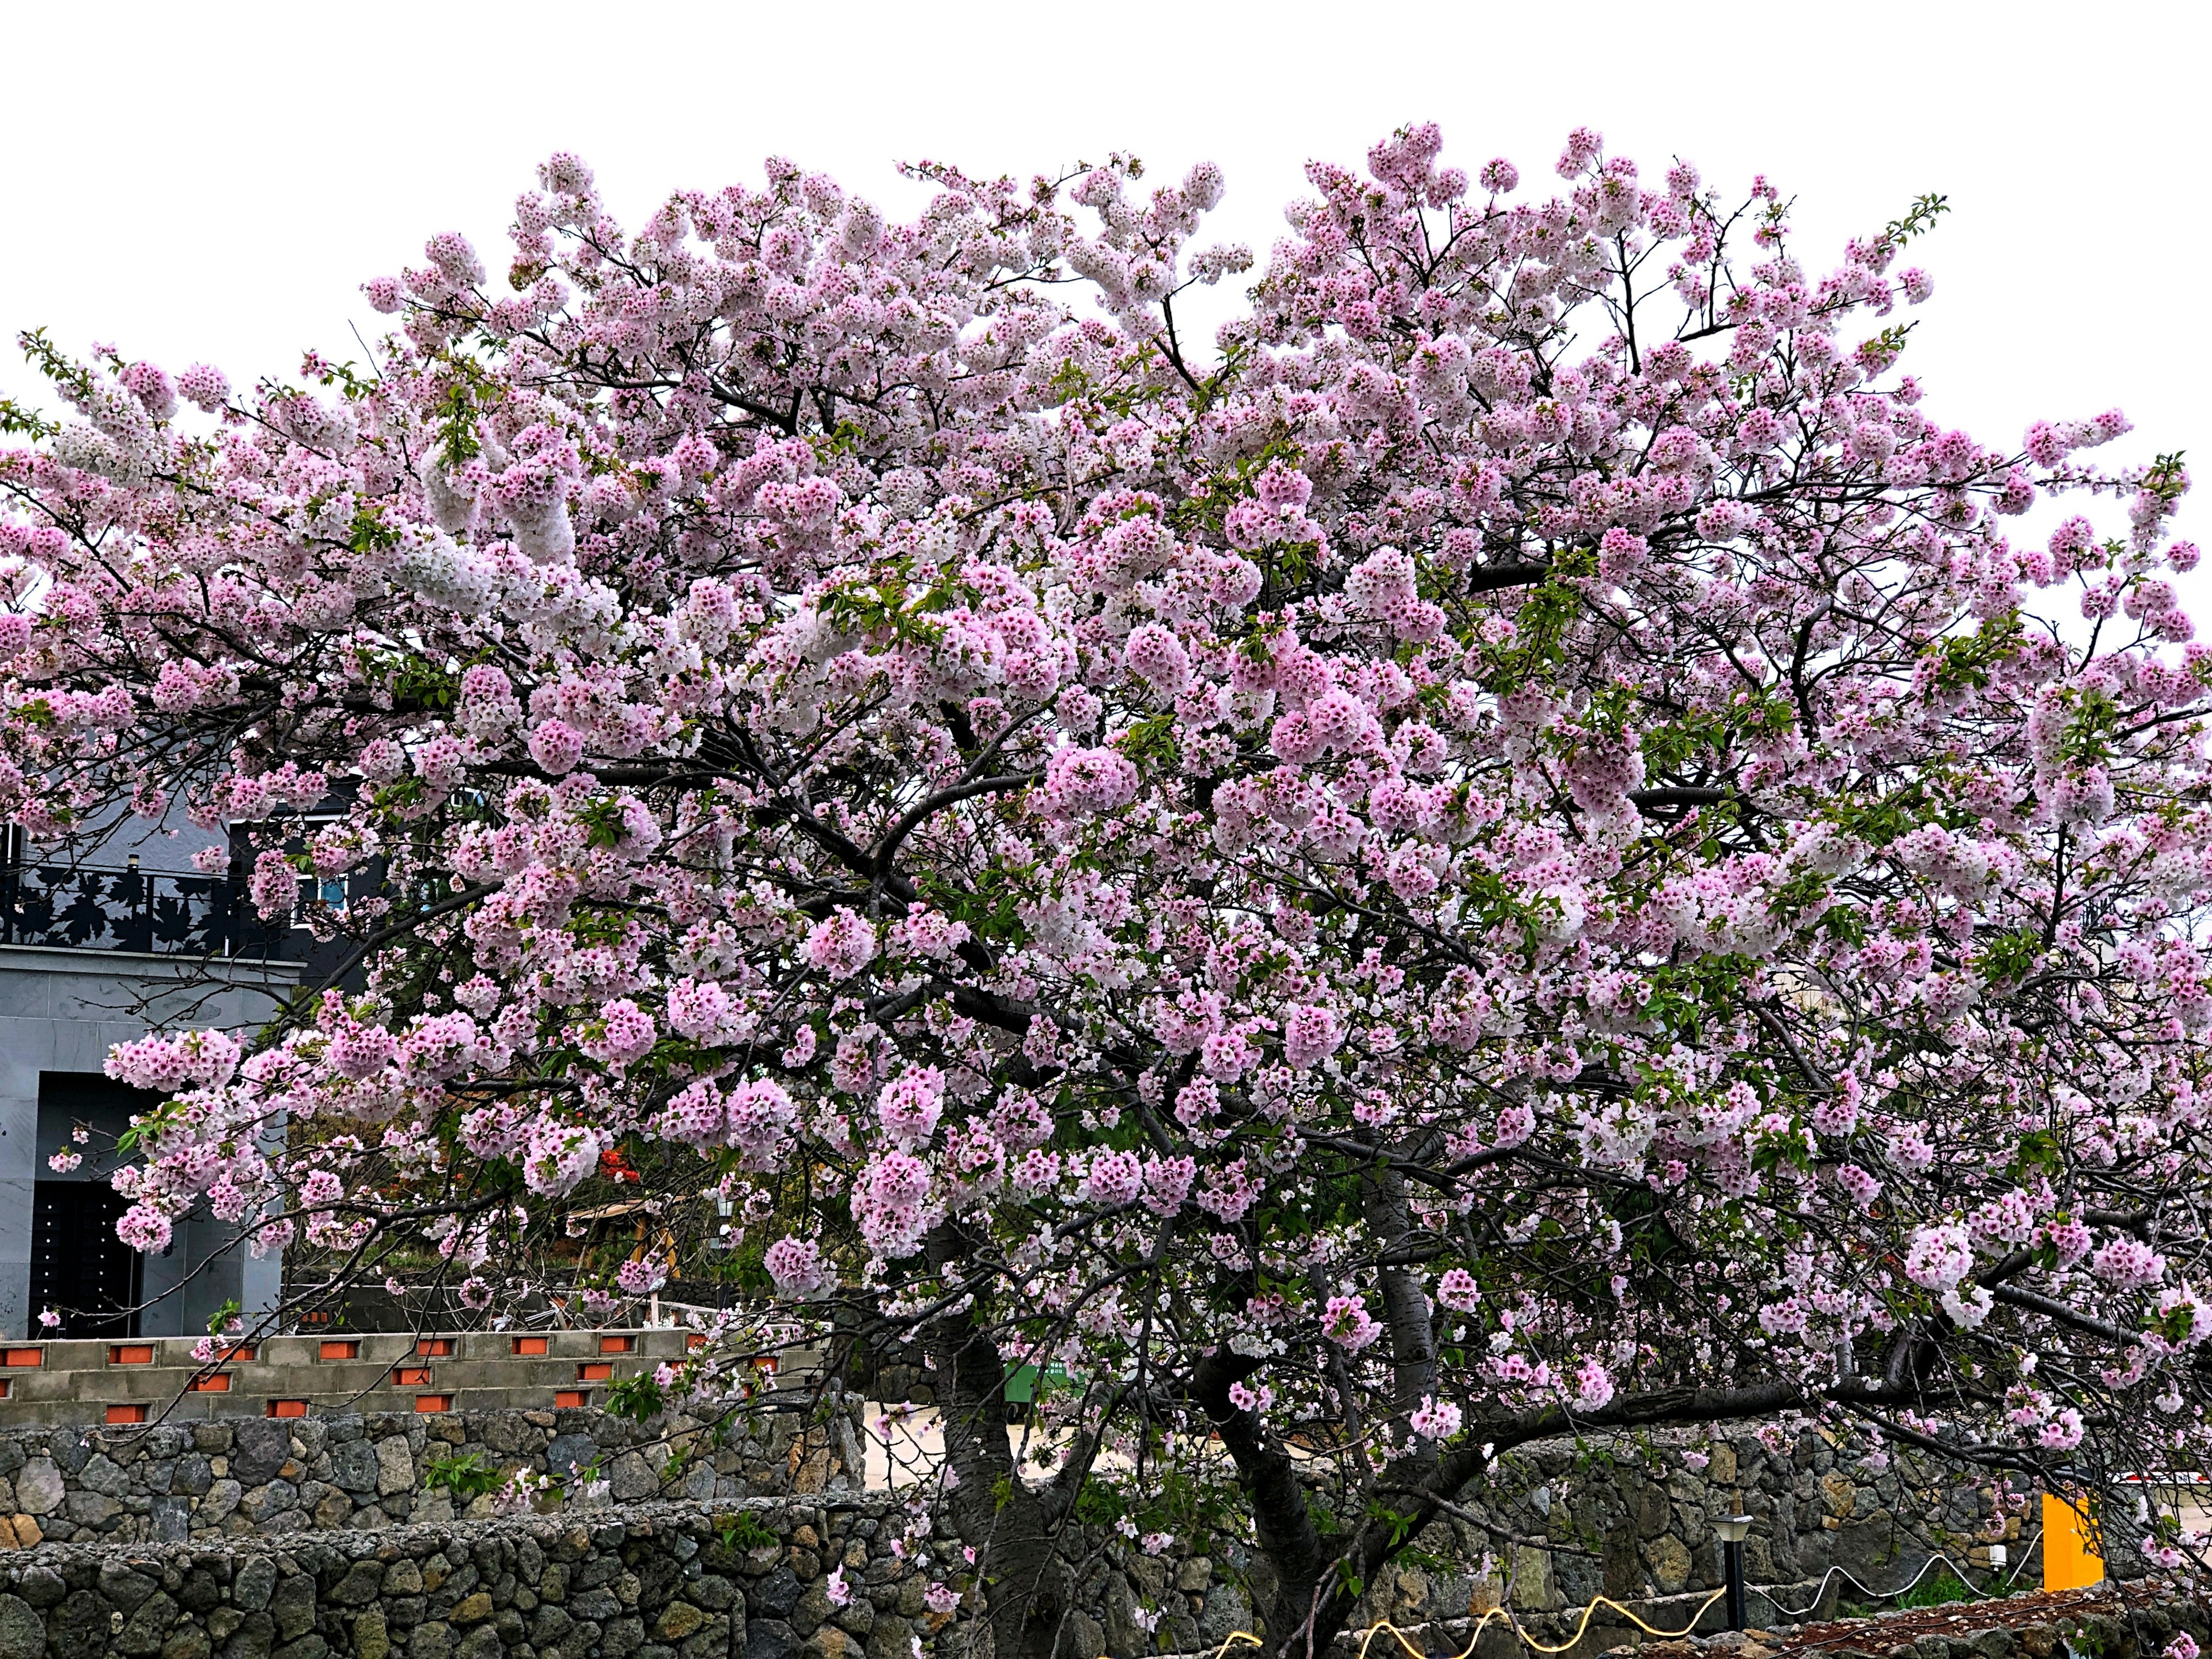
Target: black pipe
1732,1565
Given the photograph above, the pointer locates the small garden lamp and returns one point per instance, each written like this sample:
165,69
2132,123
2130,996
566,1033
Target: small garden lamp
1732,1530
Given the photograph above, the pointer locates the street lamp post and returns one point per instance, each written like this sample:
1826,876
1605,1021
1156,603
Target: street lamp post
1732,1530
721,1245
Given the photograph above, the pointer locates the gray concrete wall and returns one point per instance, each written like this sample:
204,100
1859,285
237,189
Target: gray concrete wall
61,1011
76,1382
167,848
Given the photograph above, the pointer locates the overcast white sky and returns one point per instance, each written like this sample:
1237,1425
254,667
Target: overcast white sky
213,182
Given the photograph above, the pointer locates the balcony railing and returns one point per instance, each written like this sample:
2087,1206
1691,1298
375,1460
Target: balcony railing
77,906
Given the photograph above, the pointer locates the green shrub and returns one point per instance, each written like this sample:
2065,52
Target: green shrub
1943,1588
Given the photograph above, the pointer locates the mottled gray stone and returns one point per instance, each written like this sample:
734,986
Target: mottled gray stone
568,1451
221,1498
148,1628
353,1465
171,1520
775,1595
102,1474
395,1466
253,1583
120,1584
272,1499
293,1605
90,1509
360,1584
256,1635
80,1628
39,1488
632,1478
23,1632
264,1446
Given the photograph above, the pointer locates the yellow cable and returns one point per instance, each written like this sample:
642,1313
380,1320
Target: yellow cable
1475,1635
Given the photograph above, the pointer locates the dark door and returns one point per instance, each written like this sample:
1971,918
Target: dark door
79,1268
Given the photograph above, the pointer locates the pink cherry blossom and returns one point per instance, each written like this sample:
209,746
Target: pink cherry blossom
910,1105
640,1277
1435,1420
1520,766
626,1034
1457,1290
1309,1034
842,945
798,1268
1346,1322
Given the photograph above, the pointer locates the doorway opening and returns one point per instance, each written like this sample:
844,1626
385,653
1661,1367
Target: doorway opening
79,1268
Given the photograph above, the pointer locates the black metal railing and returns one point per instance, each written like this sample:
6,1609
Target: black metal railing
78,906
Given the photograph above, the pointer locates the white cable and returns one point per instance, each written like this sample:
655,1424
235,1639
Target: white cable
1768,1590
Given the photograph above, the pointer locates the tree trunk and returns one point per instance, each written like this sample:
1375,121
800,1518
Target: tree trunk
1025,1583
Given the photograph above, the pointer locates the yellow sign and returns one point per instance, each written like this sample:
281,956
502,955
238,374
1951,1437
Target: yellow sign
2070,1558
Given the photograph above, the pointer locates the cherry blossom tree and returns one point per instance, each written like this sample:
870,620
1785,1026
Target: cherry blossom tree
1522,845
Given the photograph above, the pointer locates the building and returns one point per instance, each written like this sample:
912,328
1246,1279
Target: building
93,953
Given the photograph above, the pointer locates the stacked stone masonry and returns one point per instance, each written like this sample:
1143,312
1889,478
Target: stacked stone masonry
273,1476
274,1539
1635,1524
660,1583
653,1581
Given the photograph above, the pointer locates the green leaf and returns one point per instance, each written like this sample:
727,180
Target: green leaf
2008,960
17,422
467,1478
1918,219
635,1397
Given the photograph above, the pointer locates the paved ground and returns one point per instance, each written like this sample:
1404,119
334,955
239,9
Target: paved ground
1961,1619
904,1442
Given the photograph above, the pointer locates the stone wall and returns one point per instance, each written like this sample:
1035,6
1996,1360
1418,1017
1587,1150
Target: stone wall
1636,1525
654,1581
733,1577
2133,1623
250,1476
339,1510
664,1583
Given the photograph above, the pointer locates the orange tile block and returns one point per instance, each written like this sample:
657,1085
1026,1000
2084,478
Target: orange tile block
2070,1558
